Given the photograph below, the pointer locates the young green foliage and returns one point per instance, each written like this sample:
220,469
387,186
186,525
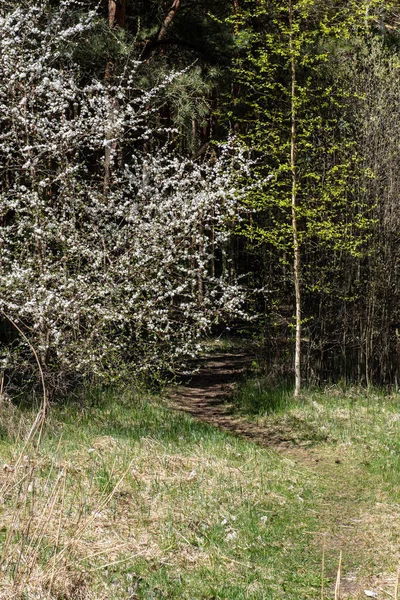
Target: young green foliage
294,107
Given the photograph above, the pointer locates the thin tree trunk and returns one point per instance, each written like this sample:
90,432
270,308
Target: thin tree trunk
150,47
296,245
236,12
116,18
200,272
116,13
168,20
109,145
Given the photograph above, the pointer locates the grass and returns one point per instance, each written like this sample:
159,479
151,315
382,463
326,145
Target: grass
198,514
350,439
363,425
127,499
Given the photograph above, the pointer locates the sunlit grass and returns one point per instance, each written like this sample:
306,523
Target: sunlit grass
128,499
362,423
197,514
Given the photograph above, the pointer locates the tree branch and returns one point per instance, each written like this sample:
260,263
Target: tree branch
168,20
150,46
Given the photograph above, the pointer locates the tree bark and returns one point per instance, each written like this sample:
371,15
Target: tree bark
162,32
116,18
116,13
168,20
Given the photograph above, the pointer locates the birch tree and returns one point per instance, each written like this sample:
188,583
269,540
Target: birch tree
289,113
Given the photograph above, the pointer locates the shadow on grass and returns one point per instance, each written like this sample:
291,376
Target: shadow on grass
256,396
131,415
284,419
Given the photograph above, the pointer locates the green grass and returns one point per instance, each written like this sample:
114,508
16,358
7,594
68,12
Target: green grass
198,514
202,514
362,424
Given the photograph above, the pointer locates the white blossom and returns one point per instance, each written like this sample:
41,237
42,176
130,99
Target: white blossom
100,276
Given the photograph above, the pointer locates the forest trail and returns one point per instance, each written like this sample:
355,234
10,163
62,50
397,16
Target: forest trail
206,396
356,517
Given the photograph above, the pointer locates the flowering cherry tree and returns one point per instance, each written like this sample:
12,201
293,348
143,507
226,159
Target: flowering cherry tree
101,265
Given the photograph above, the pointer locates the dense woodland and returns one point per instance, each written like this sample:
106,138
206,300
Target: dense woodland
174,168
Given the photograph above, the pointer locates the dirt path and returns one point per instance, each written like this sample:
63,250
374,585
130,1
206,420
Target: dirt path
206,394
354,522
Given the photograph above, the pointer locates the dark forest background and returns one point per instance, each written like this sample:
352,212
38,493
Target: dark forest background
312,89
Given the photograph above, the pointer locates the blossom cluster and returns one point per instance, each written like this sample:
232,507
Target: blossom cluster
107,249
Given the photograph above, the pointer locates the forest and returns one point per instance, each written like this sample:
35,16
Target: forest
170,170
199,299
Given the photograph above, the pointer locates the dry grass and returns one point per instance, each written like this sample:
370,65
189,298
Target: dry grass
51,527
129,500
90,511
